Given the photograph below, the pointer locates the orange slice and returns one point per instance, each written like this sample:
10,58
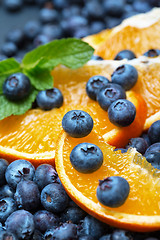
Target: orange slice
140,212
33,135
138,33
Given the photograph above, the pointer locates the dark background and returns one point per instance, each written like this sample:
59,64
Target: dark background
9,21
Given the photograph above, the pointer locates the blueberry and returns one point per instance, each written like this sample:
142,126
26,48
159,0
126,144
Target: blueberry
72,10
112,22
73,214
17,170
49,99
138,143
7,206
152,155
93,227
53,31
113,191
5,235
125,75
77,123
106,237
153,148
45,220
121,113
94,84
13,5
114,8
152,53
110,93
75,22
96,57
54,198
48,15
96,27
60,4
16,87
153,158
125,54
141,6
16,36
6,191
154,132
3,167
41,40
21,224
9,49
94,9
86,157
27,195
44,175
81,32
121,235
32,29
64,232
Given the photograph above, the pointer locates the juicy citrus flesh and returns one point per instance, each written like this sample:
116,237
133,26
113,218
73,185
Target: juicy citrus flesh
140,212
135,33
34,134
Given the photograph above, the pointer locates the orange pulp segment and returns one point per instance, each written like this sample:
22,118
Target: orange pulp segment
140,212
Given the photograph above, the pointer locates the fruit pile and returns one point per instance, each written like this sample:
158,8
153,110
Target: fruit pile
115,102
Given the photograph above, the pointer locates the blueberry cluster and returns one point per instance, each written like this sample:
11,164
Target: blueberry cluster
66,18
34,205
148,144
111,96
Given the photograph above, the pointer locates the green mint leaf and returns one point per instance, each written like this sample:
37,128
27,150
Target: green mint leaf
9,108
40,78
2,79
8,67
70,52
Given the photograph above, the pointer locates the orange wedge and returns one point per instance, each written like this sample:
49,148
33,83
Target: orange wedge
33,135
140,212
138,33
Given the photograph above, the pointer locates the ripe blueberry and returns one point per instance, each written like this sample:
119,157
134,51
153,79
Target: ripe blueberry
154,132
17,170
64,232
4,235
27,195
16,87
86,157
139,143
110,93
77,123
54,198
152,155
44,175
3,167
128,54
6,191
121,113
93,227
50,98
125,75
32,29
113,191
20,223
9,49
152,53
94,84
45,220
7,206
73,214
119,234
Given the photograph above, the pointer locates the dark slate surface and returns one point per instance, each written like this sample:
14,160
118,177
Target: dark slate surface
8,21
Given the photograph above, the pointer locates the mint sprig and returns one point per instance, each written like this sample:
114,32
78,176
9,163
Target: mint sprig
37,65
